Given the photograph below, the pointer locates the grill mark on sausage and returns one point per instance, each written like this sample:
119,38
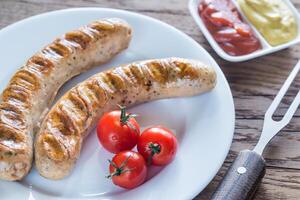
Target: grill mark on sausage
75,112
82,105
115,81
69,44
69,120
108,84
54,147
79,38
186,70
11,149
158,72
137,73
94,33
12,118
11,135
101,26
12,108
78,102
125,75
58,122
82,95
91,94
96,92
90,32
100,80
44,65
25,79
18,93
57,50
127,72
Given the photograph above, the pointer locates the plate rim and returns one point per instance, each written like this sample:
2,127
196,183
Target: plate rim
182,34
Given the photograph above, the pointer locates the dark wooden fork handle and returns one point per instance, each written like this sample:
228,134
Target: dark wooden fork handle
243,177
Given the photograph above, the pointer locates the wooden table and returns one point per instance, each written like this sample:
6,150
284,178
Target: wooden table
253,83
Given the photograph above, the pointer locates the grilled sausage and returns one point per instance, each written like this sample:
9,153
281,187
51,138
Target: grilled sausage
32,89
58,143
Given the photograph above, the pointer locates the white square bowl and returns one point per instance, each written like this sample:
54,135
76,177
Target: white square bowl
266,47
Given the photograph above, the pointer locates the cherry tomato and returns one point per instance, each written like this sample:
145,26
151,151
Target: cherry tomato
128,169
158,145
118,131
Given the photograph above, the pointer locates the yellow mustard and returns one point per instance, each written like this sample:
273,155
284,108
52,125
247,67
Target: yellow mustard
272,18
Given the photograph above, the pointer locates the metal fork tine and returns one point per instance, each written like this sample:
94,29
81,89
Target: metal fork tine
291,111
281,94
271,127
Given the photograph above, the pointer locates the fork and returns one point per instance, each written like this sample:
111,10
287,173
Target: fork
243,177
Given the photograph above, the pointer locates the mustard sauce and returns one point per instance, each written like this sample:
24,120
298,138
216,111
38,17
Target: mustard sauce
272,18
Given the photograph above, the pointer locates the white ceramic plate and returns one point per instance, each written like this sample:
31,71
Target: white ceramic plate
266,47
204,124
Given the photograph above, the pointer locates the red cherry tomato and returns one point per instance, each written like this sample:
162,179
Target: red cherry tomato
158,145
118,131
128,169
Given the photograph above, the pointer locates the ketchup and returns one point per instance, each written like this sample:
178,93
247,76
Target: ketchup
225,24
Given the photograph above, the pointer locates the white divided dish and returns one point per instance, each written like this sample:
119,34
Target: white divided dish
266,47
204,124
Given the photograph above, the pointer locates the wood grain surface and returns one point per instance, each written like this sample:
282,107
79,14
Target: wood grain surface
254,84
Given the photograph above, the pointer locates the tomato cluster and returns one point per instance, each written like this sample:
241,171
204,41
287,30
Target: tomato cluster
119,132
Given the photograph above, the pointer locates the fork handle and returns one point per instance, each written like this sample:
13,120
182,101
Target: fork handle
243,177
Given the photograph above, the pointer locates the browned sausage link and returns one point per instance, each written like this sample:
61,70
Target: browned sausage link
33,87
58,143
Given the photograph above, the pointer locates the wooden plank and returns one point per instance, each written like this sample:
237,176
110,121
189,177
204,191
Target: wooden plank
254,107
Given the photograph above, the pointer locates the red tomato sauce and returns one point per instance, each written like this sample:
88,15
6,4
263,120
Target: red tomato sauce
225,24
